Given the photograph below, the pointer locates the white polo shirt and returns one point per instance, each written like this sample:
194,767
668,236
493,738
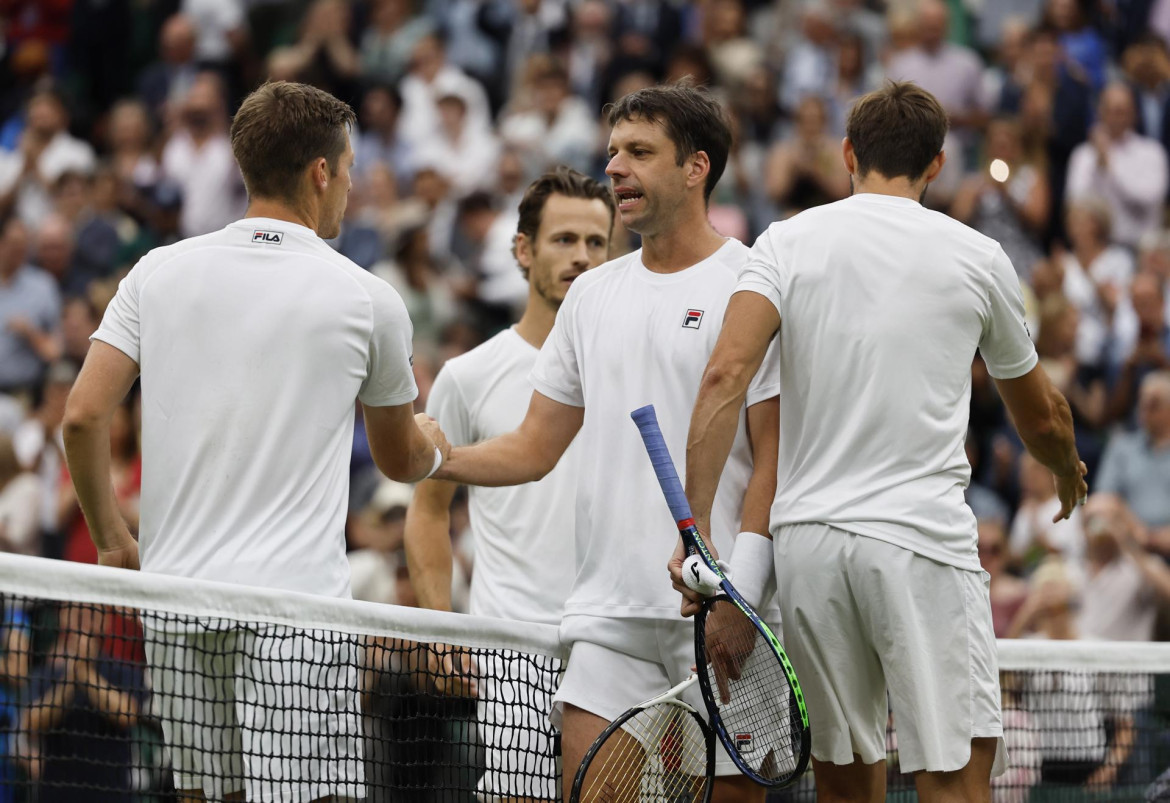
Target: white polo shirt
523,534
626,337
883,304
254,343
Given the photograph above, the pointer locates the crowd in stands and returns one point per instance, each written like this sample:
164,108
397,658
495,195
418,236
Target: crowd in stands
114,119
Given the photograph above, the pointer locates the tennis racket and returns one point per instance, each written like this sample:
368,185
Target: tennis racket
660,750
749,687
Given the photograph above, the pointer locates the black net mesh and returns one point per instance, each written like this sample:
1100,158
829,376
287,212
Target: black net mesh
105,703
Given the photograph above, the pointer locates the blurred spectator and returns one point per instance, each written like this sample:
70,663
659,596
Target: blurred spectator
1034,536
430,76
1007,60
1083,43
502,290
588,52
1123,581
464,152
1142,346
164,84
559,127
521,29
82,708
378,142
132,158
389,40
804,170
20,496
54,249
645,31
731,52
1136,465
1007,197
1053,104
15,657
220,30
1097,276
1147,68
1008,592
1047,611
30,313
376,541
198,158
414,273
323,55
39,448
46,151
952,72
1127,170
855,76
79,320
810,66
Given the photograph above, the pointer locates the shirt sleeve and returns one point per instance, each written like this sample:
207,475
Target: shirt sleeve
389,364
766,383
557,373
446,404
1006,346
121,326
763,272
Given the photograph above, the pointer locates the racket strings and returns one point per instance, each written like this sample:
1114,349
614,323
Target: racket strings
659,754
751,690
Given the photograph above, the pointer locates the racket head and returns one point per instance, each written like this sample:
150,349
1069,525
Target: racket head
657,751
751,693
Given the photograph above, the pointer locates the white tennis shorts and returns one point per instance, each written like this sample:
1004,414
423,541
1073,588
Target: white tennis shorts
863,617
274,715
614,664
520,754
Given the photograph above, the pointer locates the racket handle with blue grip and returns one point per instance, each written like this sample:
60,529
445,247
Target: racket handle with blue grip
664,468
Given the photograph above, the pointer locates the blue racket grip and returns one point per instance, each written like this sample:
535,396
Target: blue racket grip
664,468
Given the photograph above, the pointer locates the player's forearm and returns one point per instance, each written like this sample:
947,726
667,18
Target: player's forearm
712,432
511,459
763,421
428,549
1053,442
87,452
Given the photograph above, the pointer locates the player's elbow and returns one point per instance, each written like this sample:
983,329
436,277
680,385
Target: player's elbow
80,417
724,378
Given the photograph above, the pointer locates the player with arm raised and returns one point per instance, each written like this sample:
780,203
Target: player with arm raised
523,533
880,305
253,344
637,330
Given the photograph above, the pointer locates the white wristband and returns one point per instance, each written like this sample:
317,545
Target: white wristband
437,465
753,568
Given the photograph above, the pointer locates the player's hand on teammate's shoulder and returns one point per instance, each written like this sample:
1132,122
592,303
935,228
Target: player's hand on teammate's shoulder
430,428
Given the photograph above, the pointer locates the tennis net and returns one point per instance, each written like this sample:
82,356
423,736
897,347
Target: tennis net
115,685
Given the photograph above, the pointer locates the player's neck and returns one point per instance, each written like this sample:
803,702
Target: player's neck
681,246
536,322
280,210
900,187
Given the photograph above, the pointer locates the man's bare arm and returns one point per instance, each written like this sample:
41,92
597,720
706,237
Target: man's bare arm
1043,418
104,381
428,543
400,448
524,455
735,360
763,428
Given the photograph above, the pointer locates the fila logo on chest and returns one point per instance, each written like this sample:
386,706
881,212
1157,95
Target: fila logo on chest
267,237
692,319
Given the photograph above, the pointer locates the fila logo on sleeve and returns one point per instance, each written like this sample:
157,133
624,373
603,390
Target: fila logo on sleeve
692,319
267,237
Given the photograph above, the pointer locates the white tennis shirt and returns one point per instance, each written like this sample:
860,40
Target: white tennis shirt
523,533
626,337
883,304
254,343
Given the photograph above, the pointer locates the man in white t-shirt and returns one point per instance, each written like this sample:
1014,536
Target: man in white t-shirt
634,331
253,344
884,304
523,533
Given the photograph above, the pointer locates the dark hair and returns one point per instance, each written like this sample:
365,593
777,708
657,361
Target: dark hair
896,130
561,181
692,119
280,129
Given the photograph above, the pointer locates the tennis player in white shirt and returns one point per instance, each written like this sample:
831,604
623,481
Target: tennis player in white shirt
880,305
253,344
638,330
523,533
